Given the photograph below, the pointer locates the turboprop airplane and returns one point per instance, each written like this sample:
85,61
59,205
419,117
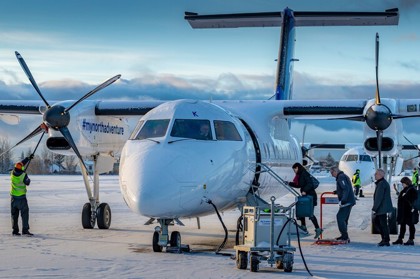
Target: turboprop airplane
170,167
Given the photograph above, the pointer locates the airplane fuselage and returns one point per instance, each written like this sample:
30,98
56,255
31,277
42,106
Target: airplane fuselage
172,172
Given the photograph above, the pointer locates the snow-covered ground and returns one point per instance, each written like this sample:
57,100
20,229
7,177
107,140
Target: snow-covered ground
62,249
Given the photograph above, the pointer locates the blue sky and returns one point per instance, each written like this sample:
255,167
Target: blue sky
71,46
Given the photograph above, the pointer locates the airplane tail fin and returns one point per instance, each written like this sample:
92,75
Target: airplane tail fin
288,20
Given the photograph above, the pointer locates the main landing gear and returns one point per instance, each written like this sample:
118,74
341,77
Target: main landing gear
161,237
94,212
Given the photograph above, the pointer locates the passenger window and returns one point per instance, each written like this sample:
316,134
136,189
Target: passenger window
153,129
192,129
226,130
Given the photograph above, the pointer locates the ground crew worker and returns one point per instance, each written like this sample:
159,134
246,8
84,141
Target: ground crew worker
415,178
357,185
19,181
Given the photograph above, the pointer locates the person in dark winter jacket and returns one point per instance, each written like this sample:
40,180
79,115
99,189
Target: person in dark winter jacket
406,214
303,181
382,205
346,202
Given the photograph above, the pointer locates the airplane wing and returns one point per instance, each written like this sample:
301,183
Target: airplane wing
109,107
117,108
324,109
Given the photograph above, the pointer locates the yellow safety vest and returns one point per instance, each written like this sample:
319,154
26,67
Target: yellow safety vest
18,187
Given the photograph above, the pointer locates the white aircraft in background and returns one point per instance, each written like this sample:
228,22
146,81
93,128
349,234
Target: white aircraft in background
169,167
354,159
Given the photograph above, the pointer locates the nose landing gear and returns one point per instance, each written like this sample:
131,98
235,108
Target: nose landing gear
161,238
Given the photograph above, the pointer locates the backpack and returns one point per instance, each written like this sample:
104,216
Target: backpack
314,181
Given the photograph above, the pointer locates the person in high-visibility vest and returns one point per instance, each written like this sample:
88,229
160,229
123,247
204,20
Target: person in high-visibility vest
356,183
415,177
18,202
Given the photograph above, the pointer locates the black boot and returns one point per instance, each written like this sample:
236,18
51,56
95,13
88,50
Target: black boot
399,241
409,242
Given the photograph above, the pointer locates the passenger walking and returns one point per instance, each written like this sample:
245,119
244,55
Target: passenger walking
406,214
19,181
303,181
346,202
382,205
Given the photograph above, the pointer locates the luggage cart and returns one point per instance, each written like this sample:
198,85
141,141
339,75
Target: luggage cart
266,230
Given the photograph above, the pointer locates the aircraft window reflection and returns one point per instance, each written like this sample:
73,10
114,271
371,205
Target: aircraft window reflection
192,129
136,130
365,158
226,130
153,129
351,158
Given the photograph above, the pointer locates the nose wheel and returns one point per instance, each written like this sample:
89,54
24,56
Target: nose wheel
161,239
102,215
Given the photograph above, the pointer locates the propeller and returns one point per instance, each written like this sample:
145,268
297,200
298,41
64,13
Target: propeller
57,117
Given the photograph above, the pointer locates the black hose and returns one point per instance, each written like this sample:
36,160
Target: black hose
224,228
300,247
239,228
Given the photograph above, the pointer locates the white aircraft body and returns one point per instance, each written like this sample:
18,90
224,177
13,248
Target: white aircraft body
169,168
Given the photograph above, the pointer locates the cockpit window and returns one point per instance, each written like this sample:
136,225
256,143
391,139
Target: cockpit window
365,158
153,129
192,129
226,130
351,158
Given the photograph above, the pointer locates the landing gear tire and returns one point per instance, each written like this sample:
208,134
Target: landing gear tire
87,221
155,244
175,239
242,260
103,214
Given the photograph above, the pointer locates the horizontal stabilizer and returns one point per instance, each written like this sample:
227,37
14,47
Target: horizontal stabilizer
270,19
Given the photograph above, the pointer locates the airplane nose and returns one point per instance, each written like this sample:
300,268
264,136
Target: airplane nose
156,187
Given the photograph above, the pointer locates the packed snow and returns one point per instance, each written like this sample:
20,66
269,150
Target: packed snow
61,248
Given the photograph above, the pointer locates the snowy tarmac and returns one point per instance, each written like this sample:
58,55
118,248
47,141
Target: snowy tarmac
61,248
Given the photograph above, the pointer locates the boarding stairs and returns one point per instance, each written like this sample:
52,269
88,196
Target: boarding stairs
252,197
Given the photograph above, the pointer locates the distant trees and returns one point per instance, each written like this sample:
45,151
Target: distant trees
329,161
6,157
44,161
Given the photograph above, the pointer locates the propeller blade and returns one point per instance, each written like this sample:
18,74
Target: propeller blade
411,143
31,135
30,77
411,158
100,87
303,135
379,135
66,134
378,98
313,161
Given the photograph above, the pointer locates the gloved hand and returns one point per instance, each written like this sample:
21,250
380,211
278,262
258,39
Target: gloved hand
31,156
335,192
